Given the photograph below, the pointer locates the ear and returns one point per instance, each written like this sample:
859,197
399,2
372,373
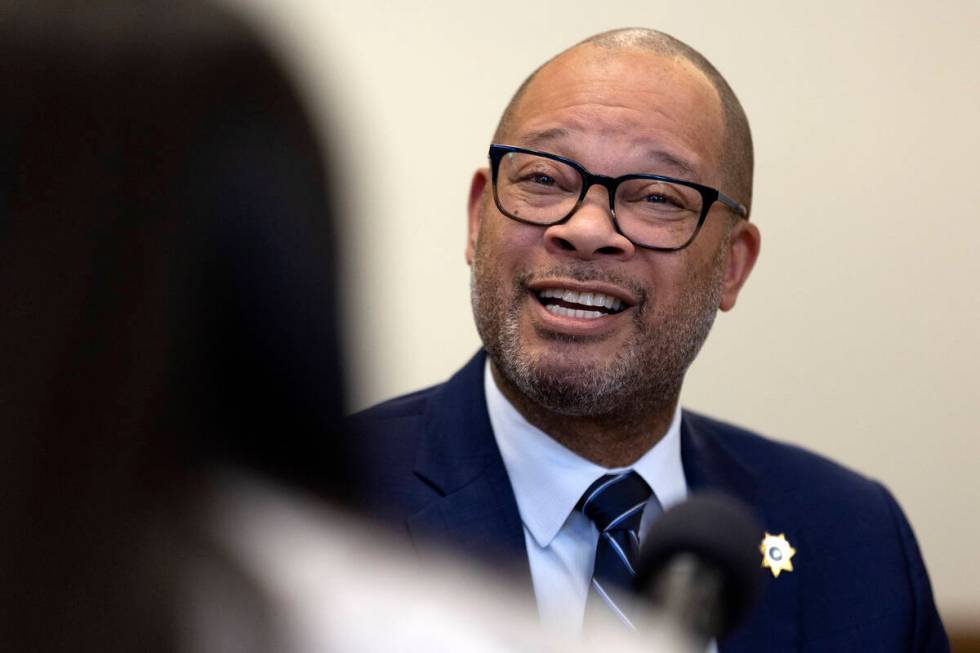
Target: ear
475,205
743,252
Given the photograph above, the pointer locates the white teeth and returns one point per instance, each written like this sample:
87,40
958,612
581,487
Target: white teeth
584,299
568,312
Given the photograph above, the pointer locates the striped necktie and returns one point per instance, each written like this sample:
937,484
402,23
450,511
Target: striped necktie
615,504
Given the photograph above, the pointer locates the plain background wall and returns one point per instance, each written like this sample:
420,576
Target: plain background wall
856,335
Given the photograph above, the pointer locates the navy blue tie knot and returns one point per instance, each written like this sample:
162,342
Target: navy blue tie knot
615,501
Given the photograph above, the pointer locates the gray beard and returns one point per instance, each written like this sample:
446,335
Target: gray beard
644,377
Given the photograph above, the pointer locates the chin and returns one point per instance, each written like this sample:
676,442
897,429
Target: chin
567,382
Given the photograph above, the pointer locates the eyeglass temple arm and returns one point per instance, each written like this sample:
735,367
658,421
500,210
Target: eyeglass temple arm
738,207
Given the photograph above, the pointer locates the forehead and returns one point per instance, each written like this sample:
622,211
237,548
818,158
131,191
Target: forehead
615,110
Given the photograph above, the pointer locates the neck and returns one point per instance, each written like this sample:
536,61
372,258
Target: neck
615,440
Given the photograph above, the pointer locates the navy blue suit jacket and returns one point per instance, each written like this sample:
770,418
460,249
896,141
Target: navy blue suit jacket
433,469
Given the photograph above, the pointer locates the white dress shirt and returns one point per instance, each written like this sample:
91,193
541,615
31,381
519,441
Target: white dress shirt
548,481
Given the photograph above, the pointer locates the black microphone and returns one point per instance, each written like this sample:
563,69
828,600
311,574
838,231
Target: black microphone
700,565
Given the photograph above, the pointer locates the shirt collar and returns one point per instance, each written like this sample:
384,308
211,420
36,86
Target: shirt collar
549,479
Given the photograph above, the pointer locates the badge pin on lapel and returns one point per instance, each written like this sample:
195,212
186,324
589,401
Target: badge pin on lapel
777,554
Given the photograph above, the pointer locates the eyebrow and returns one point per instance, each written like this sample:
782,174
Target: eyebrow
663,161
545,136
682,168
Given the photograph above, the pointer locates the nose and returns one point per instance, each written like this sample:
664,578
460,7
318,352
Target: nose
589,234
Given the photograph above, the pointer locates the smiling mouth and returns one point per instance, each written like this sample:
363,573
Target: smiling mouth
586,305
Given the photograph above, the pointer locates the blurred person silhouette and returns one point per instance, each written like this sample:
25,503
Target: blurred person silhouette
168,295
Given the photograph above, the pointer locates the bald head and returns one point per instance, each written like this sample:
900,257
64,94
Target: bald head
736,140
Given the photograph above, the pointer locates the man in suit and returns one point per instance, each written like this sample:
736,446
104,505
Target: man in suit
610,227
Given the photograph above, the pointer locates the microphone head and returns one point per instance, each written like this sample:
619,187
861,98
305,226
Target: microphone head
722,534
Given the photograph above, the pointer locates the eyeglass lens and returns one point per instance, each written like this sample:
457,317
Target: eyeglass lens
649,211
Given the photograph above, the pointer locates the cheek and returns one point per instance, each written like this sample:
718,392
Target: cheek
708,251
675,280
505,246
492,267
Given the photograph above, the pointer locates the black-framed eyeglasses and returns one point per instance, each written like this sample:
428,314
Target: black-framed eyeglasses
651,211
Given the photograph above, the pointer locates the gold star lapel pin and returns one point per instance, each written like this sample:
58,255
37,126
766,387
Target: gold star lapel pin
777,554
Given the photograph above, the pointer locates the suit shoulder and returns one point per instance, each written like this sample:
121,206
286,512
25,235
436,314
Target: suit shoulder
386,439
388,434
404,406
781,463
854,544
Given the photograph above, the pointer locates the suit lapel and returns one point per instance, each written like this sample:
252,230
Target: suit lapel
476,512
713,462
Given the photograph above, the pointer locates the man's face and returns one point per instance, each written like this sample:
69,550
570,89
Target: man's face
615,112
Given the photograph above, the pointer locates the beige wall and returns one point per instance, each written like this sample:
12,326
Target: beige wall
856,336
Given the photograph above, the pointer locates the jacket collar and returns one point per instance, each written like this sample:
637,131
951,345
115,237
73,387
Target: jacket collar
459,445
710,463
458,457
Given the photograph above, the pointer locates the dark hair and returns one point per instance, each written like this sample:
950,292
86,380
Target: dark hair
169,299
737,154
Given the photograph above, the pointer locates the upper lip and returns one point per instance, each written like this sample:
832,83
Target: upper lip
620,293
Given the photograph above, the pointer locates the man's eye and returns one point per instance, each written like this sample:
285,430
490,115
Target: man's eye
544,182
660,197
540,178
665,200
